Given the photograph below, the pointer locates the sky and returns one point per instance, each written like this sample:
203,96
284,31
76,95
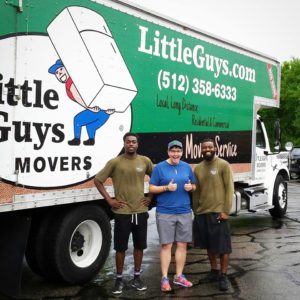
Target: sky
271,27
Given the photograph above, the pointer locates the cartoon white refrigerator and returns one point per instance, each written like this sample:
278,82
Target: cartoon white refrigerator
90,55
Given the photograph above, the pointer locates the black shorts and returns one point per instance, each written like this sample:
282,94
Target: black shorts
126,224
212,234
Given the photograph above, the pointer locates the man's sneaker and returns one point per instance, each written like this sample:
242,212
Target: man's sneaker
223,283
181,280
212,276
118,288
165,285
138,284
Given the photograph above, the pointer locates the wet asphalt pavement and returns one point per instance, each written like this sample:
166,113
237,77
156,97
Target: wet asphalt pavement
264,264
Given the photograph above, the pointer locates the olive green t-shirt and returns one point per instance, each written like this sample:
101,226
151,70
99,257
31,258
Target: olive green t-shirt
127,175
214,187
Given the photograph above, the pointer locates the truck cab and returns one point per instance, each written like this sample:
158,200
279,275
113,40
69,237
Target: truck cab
267,187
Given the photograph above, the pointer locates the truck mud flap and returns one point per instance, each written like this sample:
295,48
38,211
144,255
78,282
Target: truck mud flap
14,230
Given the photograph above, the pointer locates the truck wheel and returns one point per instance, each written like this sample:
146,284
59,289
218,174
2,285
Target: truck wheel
80,245
35,251
31,248
280,198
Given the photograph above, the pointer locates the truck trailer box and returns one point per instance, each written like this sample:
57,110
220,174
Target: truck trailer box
75,76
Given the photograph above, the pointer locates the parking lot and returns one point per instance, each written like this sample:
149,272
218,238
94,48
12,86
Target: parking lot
264,264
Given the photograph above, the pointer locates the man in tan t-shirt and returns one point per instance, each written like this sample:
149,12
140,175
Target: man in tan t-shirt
212,201
130,206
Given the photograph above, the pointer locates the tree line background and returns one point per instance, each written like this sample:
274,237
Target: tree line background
289,111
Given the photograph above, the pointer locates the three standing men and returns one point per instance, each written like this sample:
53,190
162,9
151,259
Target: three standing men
130,206
211,205
212,201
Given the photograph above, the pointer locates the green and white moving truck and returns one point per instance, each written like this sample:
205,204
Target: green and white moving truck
75,76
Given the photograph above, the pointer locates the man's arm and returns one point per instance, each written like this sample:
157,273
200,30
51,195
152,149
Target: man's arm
80,101
147,200
114,203
229,190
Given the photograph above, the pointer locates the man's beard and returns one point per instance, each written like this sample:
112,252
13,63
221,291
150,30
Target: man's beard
209,157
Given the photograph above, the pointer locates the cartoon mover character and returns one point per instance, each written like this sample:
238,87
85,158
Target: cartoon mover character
92,117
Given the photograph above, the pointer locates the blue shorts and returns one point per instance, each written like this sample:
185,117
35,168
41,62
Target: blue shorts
212,234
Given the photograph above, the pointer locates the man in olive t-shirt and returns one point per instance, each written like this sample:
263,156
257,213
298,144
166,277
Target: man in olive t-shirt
212,201
130,206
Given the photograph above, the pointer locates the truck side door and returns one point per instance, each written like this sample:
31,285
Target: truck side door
261,159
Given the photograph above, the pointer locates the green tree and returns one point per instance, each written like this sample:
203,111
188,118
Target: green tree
289,112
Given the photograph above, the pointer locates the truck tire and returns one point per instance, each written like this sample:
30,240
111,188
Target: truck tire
280,198
80,244
35,249
30,252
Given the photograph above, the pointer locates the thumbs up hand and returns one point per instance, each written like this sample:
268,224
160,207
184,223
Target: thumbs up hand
188,186
172,187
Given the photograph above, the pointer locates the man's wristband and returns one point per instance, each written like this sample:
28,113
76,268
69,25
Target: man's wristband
166,188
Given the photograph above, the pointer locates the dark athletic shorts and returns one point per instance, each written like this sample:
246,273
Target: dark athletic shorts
126,224
212,234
